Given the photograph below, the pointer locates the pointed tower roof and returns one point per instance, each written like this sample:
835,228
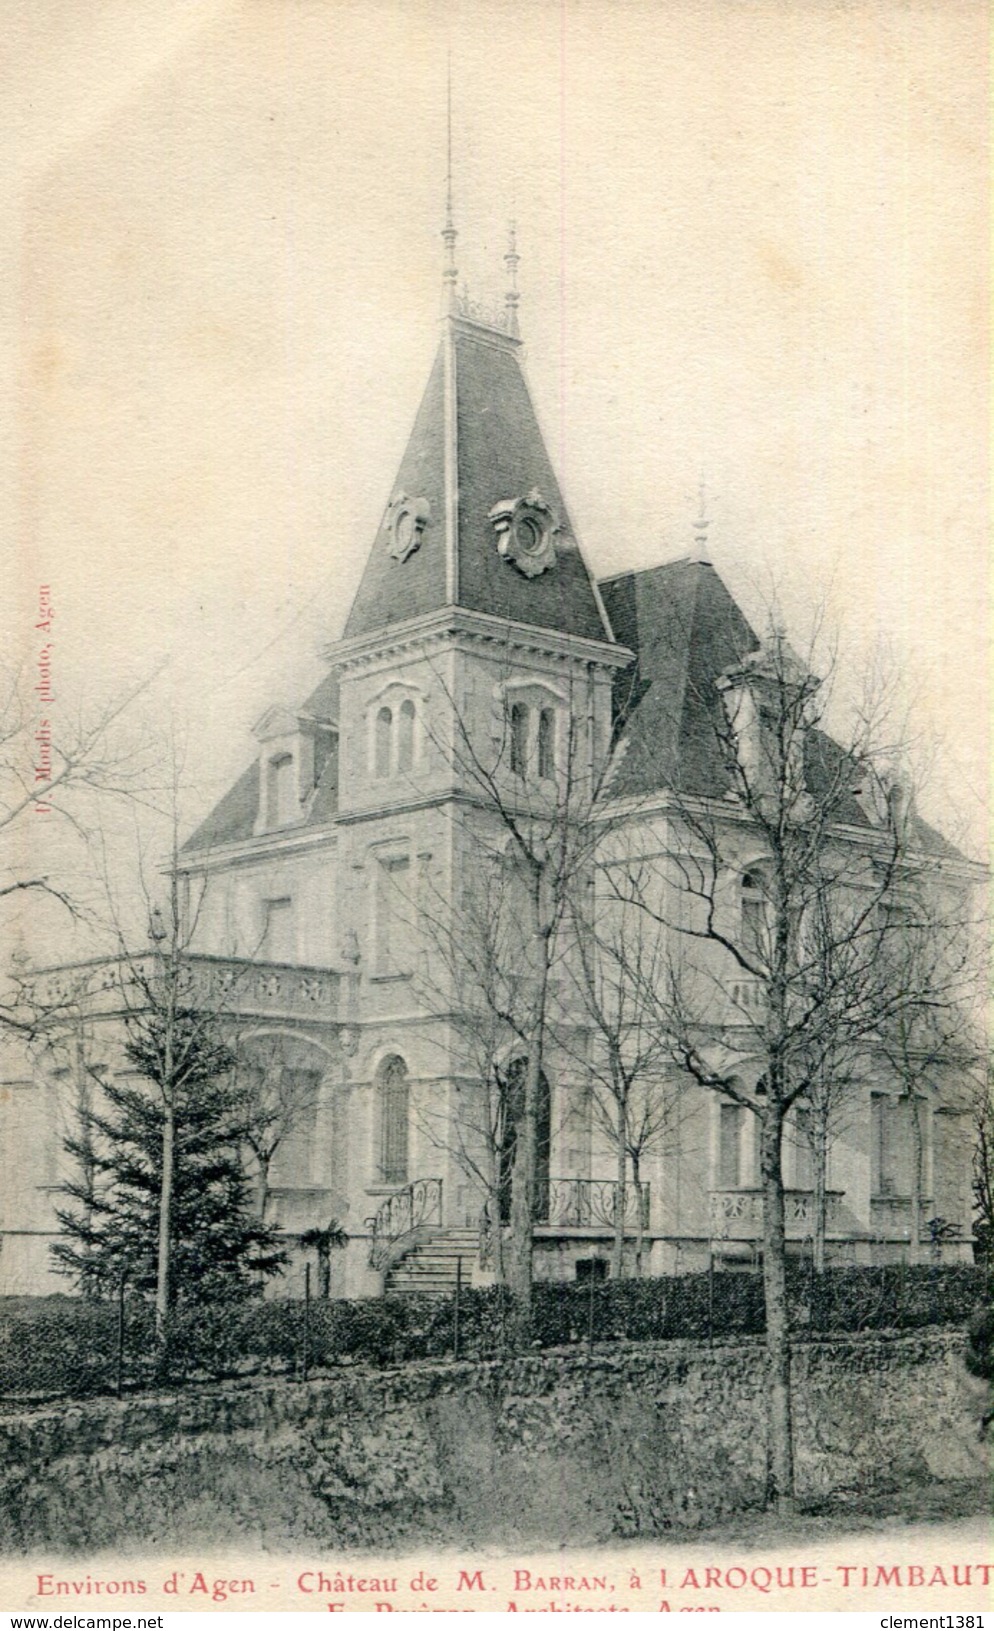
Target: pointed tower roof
476,518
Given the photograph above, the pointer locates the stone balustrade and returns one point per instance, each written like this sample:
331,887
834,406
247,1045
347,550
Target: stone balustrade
226,985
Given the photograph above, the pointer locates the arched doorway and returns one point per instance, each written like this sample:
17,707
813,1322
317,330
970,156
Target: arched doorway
511,1082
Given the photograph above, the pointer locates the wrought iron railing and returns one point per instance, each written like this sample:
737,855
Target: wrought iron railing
573,1203
400,1216
583,1203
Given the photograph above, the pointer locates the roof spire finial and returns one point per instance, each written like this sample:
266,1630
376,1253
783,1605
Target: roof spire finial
449,275
701,524
512,260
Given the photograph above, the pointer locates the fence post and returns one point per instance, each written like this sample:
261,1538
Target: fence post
119,1382
307,1322
710,1297
456,1309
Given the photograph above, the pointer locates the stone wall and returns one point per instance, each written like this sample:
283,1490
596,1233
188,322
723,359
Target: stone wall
545,1449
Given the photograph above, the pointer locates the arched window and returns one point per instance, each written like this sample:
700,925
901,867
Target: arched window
384,741
519,738
755,920
405,736
394,1094
547,744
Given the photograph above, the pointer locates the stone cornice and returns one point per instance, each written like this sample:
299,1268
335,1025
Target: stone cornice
285,841
436,627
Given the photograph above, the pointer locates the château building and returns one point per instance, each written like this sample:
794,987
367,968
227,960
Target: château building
326,894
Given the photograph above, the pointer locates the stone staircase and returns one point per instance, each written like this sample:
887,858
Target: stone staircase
430,1265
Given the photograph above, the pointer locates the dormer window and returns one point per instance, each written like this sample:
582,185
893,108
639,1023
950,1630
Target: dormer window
297,751
282,791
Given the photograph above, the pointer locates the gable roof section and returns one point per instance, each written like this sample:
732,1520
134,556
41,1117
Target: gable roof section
477,437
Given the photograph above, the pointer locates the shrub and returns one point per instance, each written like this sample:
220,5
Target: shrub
65,1347
980,1343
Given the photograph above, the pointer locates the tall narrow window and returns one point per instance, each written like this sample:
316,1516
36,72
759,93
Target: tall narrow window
754,915
519,738
405,736
803,1175
383,742
547,744
394,1120
730,1126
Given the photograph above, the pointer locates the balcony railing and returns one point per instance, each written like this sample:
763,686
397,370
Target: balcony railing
585,1203
402,1214
737,1214
226,985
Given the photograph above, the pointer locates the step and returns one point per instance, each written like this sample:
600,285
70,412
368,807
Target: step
431,1265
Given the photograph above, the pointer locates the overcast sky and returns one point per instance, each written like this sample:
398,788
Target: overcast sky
753,244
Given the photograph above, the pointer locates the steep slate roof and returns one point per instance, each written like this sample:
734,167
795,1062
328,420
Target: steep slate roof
477,427
685,630
498,453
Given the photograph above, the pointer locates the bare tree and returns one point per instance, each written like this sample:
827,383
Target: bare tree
49,764
775,961
469,977
276,1101
617,954
983,1168
926,981
530,814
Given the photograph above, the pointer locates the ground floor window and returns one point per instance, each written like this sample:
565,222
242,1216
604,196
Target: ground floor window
394,1109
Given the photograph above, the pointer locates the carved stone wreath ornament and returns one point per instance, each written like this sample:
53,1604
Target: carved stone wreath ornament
526,531
406,520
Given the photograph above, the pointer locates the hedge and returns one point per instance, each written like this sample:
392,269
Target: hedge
62,1347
